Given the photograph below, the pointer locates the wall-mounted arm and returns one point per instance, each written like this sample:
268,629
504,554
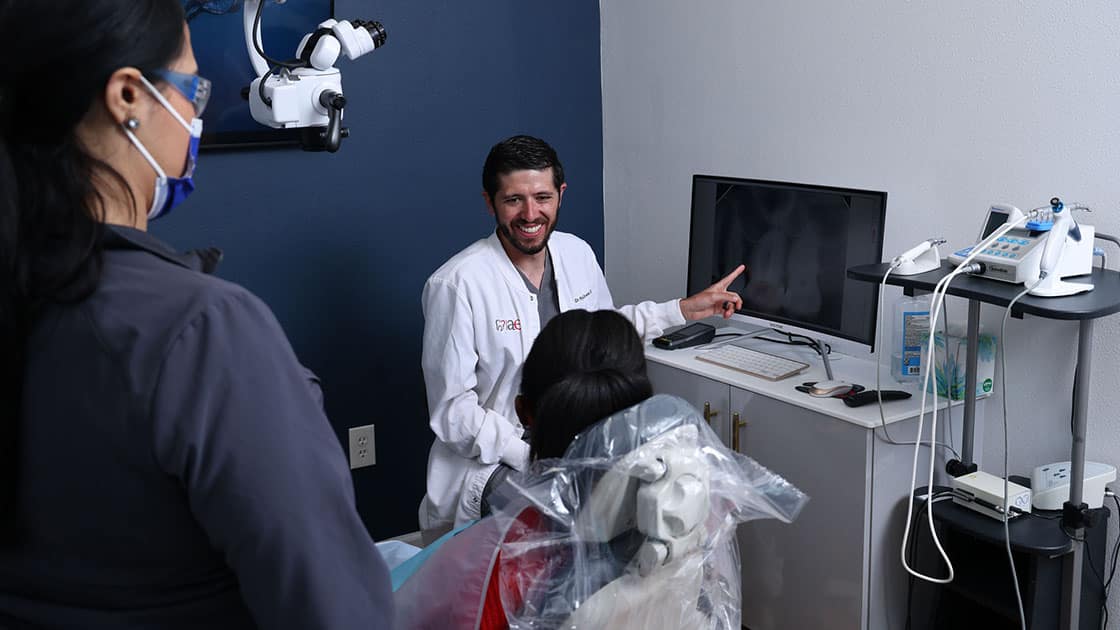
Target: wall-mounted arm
260,66
306,92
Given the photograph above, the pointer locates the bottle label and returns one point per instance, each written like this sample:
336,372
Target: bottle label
915,331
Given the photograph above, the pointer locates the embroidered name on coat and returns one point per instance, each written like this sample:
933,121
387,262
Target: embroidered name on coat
503,325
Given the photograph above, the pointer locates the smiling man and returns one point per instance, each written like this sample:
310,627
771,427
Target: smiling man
485,306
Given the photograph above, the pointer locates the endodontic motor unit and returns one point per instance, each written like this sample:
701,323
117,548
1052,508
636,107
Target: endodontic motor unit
1039,250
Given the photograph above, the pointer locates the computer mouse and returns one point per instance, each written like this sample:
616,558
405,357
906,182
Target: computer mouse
824,389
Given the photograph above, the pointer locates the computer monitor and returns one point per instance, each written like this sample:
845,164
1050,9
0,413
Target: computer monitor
797,242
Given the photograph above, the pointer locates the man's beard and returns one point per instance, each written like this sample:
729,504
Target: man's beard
505,231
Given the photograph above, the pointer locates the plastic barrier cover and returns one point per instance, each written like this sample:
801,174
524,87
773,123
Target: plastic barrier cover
633,528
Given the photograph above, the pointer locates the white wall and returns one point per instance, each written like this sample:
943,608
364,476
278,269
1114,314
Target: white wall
948,106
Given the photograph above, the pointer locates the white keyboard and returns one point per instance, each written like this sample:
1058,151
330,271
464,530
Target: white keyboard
753,362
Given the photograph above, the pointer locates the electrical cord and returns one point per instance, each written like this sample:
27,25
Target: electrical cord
938,300
886,436
816,345
1006,447
260,86
1098,574
949,387
1106,237
808,342
274,64
936,497
1115,549
1006,450
1111,573
789,340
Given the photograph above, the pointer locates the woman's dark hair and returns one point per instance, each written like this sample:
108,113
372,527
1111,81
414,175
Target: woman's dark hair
583,367
58,57
520,153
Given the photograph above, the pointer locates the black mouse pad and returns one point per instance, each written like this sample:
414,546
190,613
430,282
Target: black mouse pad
808,387
858,399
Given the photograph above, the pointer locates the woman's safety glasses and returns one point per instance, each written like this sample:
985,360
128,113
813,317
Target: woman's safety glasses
195,88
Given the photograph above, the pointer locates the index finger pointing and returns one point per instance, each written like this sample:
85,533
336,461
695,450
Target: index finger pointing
729,278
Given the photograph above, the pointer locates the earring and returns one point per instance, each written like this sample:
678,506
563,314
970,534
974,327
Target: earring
132,124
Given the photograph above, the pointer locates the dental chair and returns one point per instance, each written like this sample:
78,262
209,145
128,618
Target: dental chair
633,528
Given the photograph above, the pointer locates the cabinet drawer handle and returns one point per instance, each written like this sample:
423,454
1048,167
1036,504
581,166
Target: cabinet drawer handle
708,413
736,424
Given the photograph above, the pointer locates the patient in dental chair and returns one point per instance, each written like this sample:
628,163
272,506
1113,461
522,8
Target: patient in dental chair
625,519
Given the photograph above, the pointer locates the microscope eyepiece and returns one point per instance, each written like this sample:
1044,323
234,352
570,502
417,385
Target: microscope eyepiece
376,30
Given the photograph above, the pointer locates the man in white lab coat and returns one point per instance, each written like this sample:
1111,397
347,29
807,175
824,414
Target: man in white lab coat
484,307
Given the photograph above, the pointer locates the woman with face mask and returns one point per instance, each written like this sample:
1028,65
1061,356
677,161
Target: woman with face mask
165,461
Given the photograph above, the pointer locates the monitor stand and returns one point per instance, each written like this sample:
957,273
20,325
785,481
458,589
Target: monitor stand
824,356
749,332
746,331
831,386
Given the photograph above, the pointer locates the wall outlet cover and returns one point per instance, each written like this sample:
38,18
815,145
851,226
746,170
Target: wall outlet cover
362,452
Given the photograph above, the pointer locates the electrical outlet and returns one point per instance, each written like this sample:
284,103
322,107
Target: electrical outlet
361,447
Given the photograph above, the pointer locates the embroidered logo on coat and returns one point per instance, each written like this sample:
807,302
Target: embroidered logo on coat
511,325
582,297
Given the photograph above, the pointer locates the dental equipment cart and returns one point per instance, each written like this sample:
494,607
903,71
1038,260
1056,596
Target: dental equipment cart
981,595
1102,301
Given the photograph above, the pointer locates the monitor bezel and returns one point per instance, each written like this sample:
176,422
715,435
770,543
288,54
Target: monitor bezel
778,323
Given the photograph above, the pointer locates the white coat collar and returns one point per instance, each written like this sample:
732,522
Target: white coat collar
509,271
558,252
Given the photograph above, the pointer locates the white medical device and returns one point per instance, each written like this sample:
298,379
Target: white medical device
921,258
306,92
983,493
1050,484
1052,245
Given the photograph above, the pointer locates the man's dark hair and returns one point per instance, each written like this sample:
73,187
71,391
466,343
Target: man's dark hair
583,367
520,153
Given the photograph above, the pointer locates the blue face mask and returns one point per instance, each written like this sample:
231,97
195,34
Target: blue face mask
170,191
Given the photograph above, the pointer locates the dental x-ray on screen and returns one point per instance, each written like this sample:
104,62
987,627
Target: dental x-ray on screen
797,242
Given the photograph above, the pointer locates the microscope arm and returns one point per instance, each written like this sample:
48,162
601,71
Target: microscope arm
260,66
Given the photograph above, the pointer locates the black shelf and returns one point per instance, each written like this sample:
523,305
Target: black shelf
1038,534
1103,300
981,594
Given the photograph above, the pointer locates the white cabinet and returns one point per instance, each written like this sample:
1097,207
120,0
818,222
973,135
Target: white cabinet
836,566
711,397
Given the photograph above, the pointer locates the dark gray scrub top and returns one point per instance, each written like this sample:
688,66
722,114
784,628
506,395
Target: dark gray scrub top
548,300
176,468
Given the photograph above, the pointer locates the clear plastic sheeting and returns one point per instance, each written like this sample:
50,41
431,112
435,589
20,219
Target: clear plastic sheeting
633,528
637,526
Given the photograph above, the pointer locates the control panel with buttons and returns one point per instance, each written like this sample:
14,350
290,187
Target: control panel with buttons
1004,257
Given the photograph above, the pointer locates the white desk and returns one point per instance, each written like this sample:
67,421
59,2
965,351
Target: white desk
837,566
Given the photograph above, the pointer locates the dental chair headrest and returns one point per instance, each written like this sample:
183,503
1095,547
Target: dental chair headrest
648,497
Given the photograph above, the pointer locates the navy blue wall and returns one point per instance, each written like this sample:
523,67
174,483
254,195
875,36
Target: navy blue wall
340,245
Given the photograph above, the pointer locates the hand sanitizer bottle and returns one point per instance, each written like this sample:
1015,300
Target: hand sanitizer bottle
911,331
